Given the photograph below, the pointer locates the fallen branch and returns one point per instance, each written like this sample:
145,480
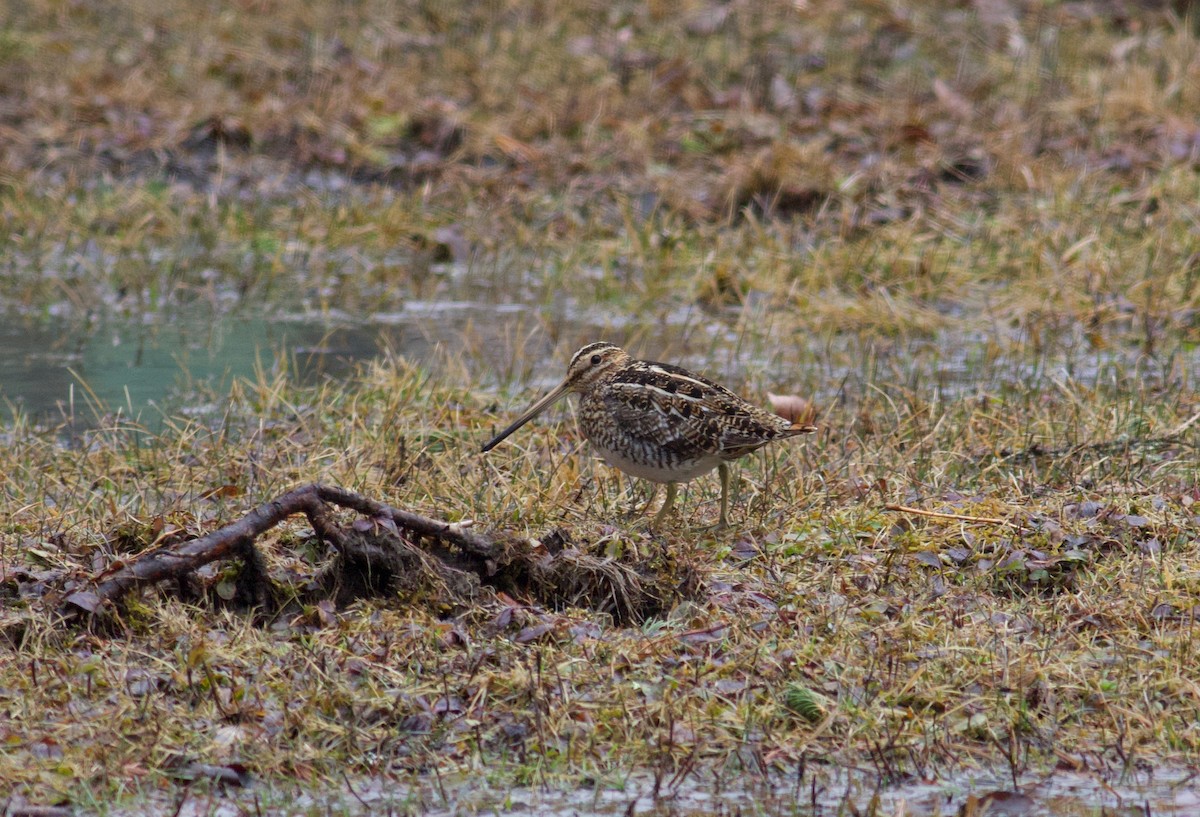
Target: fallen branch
391,549
962,517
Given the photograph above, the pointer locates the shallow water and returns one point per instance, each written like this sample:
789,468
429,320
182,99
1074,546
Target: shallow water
50,368
53,369
825,791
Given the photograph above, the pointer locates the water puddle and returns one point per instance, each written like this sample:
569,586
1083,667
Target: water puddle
50,370
53,369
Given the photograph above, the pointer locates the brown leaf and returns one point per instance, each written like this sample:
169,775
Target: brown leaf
46,748
85,600
533,632
454,637
585,631
793,407
449,705
707,635
325,613
928,558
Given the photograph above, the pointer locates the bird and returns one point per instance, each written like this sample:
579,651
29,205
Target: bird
659,422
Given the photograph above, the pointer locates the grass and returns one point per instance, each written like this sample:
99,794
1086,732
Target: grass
927,642
916,155
966,232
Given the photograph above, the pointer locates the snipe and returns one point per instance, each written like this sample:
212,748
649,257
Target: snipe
660,422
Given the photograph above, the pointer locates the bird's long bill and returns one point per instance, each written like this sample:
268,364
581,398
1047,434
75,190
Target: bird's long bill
533,411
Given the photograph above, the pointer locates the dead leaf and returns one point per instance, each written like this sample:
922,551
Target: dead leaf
454,637
793,407
85,600
708,635
533,632
928,558
449,705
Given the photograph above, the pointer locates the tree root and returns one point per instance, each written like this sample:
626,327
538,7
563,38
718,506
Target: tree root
389,550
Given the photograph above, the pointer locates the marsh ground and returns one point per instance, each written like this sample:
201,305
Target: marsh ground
966,232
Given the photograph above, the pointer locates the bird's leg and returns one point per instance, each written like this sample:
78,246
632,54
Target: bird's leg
723,472
666,508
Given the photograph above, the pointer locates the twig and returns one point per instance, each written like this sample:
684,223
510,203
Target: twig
450,532
1182,427
1101,447
962,517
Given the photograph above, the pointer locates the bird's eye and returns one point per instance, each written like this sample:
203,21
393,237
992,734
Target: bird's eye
595,360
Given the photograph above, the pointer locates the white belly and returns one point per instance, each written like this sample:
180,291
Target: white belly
642,470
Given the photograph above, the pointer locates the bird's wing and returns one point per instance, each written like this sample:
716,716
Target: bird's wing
667,405
662,419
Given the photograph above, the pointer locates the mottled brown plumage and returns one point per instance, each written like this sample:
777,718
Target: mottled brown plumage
660,422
